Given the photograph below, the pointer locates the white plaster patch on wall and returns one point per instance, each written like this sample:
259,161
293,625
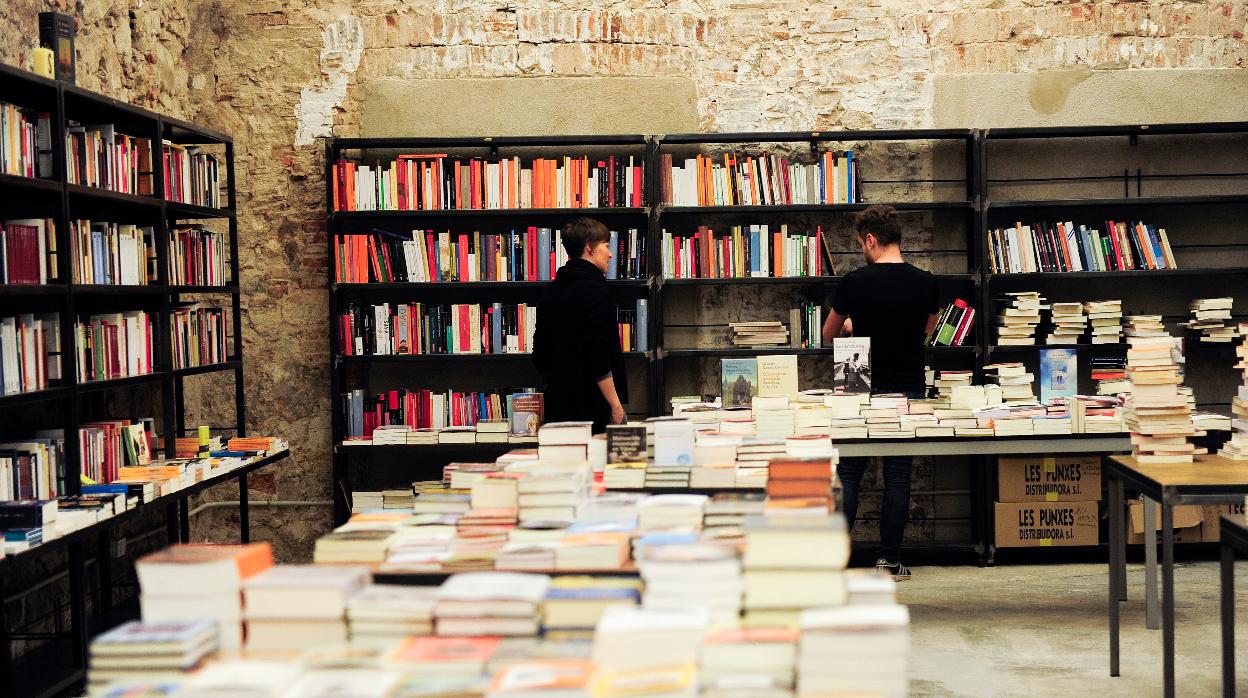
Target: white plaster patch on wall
343,46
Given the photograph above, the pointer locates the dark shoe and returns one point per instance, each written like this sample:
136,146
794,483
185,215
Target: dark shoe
899,571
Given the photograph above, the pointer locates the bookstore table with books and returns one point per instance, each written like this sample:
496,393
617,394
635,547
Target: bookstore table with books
1210,479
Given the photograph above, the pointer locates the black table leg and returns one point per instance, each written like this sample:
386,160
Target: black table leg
1116,568
244,510
1167,596
1228,620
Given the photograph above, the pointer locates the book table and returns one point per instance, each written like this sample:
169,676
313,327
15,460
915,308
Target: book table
1234,536
1209,480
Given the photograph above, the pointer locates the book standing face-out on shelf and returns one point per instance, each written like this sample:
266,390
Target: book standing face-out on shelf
1059,373
738,381
851,357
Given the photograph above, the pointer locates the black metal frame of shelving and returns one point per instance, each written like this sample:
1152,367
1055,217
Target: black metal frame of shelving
71,398
978,281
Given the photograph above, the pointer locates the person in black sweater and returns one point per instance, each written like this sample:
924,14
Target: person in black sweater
896,305
576,344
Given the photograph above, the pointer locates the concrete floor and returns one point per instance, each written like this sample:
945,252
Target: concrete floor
1043,630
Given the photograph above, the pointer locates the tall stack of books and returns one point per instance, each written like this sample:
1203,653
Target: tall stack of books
753,456
883,415
946,381
773,418
847,419
1015,381
714,461
1237,447
763,333
1020,314
553,493
857,649
648,651
1106,320
150,651
187,582
812,419
1211,317
793,562
490,603
1109,373
1069,323
291,608
383,614
1156,412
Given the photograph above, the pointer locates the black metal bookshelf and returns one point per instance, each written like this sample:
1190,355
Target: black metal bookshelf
68,402
970,201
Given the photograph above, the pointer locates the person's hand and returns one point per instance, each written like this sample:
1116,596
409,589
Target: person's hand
617,414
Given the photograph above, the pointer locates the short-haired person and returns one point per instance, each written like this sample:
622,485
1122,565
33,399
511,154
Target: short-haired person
896,305
576,344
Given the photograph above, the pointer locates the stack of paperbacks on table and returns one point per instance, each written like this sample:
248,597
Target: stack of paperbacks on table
198,581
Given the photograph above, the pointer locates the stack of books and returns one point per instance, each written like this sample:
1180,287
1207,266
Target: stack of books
553,493
364,541
1109,373
150,651
753,662
668,475
857,649
671,511
793,562
753,456
1069,323
1211,317
1020,314
574,604
812,419
593,547
383,614
761,333
810,446
189,582
883,414
727,511
1106,320
490,603
648,651
679,576
366,501
1015,382
440,499
946,381
773,418
1237,447
714,461
564,442
804,483
1158,415
290,608
847,420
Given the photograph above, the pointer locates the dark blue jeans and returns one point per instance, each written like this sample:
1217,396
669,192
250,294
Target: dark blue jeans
895,509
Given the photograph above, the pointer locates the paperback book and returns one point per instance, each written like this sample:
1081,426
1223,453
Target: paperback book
851,358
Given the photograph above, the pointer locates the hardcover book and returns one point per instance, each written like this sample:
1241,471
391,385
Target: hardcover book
852,364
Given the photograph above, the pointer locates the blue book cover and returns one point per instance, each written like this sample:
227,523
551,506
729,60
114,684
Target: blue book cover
1059,373
1155,241
543,254
1089,260
643,323
613,266
755,253
496,328
849,176
591,593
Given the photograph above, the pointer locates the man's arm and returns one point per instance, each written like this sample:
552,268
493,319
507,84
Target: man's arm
836,325
599,320
607,385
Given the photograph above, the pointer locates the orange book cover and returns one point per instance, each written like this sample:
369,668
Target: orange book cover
777,254
780,505
250,558
798,488
790,469
732,201
1141,236
433,650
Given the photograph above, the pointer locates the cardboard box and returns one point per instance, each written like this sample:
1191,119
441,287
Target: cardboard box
1042,524
1188,520
1211,528
1039,478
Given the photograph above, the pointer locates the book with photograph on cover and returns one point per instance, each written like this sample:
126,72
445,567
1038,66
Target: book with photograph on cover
738,381
851,370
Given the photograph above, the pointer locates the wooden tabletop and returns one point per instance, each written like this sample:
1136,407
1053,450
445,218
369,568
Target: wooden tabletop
1205,470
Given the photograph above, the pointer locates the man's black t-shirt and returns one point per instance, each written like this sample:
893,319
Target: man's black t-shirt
890,303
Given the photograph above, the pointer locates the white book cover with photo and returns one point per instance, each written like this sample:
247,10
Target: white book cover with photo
852,364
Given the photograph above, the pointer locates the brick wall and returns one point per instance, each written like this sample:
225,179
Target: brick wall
277,76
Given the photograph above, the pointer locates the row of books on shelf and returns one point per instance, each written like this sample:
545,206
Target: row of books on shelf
118,474
746,251
112,253
1063,247
114,345
99,156
419,415
28,251
424,255
434,182
25,141
953,325
29,352
192,175
198,256
734,179
198,335
422,328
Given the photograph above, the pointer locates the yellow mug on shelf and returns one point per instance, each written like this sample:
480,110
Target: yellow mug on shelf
42,62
